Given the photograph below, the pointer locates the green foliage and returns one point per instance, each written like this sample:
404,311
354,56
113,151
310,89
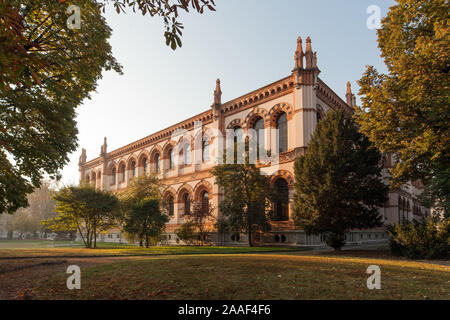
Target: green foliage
338,184
247,197
187,233
437,192
428,239
167,9
146,220
46,71
86,210
141,188
406,111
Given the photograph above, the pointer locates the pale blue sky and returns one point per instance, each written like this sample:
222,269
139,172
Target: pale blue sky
245,43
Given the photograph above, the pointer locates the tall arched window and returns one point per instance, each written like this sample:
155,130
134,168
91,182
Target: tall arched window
171,159
133,169
187,204
205,201
281,206
187,153
144,165
157,163
259,131
282,137
237,140
122,171
205,149
114,176
170,205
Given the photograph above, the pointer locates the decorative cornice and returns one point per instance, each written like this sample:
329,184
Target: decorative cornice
328,96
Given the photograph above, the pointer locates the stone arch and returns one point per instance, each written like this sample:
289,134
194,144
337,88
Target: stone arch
253,115
182,190
233,124
286,175
169,192
156,150
200,187
276,110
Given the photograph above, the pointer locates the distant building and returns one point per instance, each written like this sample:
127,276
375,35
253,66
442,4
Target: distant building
292,105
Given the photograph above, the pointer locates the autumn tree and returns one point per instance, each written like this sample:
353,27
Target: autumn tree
406,111
46,71
146,221
246,197
198,223
86,210
338,182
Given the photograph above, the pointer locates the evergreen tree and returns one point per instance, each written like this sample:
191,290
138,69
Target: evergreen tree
247,196
146,220
338,184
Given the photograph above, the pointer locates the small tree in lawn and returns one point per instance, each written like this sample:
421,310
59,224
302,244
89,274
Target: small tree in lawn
141,188
146,221
202,216
338,183
86,210
247,196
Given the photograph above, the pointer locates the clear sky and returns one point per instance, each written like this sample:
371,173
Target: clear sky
245,43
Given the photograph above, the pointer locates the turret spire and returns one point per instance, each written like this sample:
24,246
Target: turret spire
349,95
309,55
299,54
218,93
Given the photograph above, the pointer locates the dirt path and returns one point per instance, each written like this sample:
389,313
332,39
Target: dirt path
24,273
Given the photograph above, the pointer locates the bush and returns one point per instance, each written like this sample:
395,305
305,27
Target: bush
335,240
186,232
429,239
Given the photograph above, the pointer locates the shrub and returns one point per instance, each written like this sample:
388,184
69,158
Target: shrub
429,239
186,232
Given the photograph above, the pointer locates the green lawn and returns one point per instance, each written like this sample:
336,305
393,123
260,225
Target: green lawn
45,248
256,276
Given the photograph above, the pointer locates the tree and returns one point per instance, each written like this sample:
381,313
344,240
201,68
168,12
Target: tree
86,210
146,220
406,111
201,219
247,197
167,9
46,71
338,184
186,232
142,187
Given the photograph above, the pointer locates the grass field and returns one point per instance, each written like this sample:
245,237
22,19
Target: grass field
46,249
256,276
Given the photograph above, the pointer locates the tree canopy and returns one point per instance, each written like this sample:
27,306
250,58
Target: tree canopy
246,198
338,183
46,71
146,221
406,111
86,210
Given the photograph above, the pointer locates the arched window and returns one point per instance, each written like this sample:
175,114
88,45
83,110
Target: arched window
187,153
171,158
157,163
170,205
259,131
122,171
114,176
144,165
205,201
237,139
281,205
282,137
187,204
205,149
133,169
